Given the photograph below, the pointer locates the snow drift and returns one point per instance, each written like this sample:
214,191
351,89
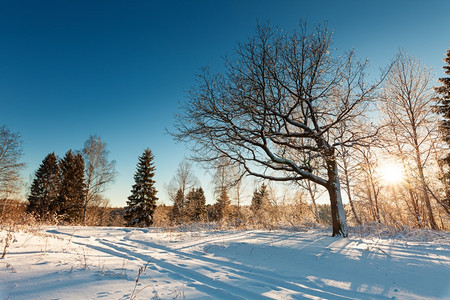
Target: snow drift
128,263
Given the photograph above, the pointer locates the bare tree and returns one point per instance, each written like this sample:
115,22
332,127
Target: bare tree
407,105
98,211
312,189
10,166
222,176
348,174
368,165
282,94
396,147
228,177
184,180
99,171
222,181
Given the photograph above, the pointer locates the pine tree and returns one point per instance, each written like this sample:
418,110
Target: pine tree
141,204
178,205
443,108
259,199
69,204
44,189
196,205
223,204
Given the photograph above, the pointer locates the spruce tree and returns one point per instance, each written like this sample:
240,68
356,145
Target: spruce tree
69,204
176,214
141,204
443,108
44,189
223,204
259,199
196,205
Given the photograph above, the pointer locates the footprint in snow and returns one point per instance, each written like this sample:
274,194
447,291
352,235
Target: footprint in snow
102,294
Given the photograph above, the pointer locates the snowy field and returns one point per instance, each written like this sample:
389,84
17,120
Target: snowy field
125,263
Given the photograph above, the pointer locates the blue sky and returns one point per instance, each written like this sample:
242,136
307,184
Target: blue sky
119,69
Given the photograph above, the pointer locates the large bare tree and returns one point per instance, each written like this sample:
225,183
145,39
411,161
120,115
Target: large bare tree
99,171
281,94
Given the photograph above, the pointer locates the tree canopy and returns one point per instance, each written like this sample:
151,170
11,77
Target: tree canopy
280,104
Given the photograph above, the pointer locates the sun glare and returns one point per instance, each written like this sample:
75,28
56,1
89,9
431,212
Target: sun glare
390,173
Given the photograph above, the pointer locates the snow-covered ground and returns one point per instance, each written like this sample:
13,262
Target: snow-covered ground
124,263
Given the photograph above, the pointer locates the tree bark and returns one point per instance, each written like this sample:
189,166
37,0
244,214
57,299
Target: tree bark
337,208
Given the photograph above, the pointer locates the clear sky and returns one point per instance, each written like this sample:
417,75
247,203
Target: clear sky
119,69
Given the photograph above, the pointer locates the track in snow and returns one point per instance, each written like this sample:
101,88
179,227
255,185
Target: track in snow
229,265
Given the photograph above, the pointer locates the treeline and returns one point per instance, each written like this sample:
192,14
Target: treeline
288,110
269,208
265,210
58,190
64,189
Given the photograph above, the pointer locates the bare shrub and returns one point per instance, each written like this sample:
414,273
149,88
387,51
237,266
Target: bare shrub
161,217
13,211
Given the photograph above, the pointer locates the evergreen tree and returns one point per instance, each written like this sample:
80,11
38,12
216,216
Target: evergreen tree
223,204
196,205
141,204
44,189
443,108
176,214
69,204
260,199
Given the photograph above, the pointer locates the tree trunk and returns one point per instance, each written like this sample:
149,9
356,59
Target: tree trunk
375,198
84,212
426,197
313,199
415,208
372,193
86,198
337,208
349,193
316,211
414,203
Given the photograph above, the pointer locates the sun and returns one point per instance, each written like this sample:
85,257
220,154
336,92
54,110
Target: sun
390,173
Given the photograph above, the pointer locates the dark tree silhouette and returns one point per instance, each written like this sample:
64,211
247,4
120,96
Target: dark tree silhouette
44,189
259,199
223,204
443,108
177,213
195,207
141,204
72,190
